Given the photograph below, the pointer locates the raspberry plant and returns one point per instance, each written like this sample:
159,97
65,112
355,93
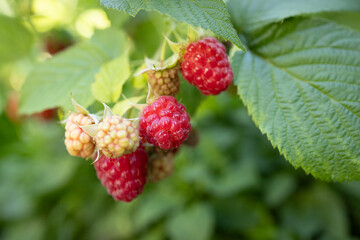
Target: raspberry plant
306,109
294,65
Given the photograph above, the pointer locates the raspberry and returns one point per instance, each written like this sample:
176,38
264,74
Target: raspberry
206,65
117,136
124,177
165,123
78,142
164,82
160,167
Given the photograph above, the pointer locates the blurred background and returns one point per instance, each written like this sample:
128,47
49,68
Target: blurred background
232,185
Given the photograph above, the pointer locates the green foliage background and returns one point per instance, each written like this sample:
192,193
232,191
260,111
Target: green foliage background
234,184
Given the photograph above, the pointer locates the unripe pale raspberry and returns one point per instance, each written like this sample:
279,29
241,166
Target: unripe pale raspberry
160,167
164,82
124,177
165,123
206,65
78,142
117,136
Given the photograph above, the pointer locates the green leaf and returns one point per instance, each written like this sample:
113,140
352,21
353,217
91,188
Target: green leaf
317,211
231,179
278,188
300,82
190,96
19,186
15,39
116,224
111,41
150,211
26,229
3,96
111,78
123,106
246,216
51,82
211,14
249,14
348,19
195,222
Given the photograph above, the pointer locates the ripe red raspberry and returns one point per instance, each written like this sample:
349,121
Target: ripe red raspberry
160,166
206,65
165,123
117,136
164,82
124,177
78,142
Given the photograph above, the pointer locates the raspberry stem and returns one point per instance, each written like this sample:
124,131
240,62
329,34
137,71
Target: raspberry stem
178,37
151,94
135,105
163,51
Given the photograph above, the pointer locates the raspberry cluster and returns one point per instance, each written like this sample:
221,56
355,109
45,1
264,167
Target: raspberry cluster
124,177
206,65
165,123
164,82
77,142
123,166
117,136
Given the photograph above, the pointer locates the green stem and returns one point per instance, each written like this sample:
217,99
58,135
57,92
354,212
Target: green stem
160,52
177,36
163,51
27,18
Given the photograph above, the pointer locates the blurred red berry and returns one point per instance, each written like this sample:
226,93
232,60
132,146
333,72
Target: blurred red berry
57,40
47,115
11,107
